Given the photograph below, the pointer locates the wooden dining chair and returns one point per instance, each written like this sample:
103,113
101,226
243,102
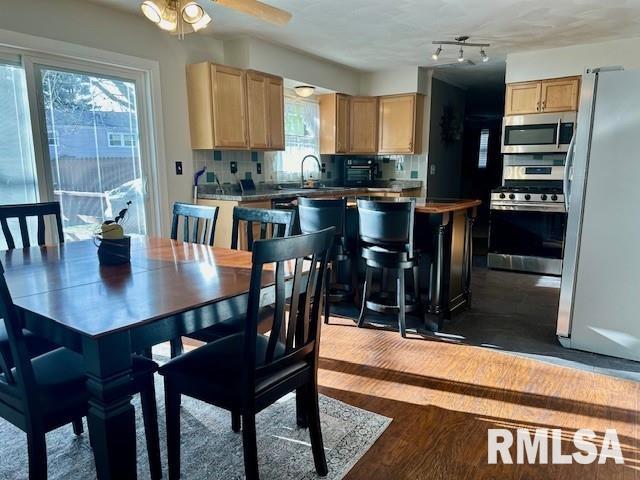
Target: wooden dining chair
43,393
248,371
204,223
272,224
22,213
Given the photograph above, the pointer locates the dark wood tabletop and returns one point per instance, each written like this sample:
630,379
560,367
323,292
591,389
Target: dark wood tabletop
169,289
166,277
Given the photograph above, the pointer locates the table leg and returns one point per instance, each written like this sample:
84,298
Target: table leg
111,416
436,284
468,264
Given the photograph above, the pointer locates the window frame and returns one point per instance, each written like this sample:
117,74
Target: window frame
31,50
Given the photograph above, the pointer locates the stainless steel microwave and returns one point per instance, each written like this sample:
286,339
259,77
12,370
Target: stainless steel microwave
538,132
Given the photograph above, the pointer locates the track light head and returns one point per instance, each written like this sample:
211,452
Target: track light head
483,55
461,55
436,54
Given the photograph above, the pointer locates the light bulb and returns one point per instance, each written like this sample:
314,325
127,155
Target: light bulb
202,23
192,13
436,54
169,20
151,10
461,56
483,55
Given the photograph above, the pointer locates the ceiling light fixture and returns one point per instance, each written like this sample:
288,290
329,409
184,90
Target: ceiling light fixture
460,41
179,17
304,91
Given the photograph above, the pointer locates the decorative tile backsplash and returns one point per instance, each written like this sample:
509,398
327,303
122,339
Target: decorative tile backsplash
262,167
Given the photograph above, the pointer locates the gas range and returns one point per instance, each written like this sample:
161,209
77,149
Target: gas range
528,198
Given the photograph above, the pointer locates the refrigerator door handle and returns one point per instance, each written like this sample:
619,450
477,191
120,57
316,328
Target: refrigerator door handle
568,165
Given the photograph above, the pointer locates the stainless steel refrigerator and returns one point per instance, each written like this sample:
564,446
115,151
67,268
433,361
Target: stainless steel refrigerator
599,307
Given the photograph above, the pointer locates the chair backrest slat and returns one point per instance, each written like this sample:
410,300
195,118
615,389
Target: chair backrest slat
204,223
301,260
278,223
20,384
22,212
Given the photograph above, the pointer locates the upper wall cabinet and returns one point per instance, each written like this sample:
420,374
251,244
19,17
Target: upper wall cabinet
400,123
560,95
334,123
543,96
234,110
363,125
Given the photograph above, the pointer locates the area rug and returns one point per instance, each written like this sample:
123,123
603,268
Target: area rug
210,450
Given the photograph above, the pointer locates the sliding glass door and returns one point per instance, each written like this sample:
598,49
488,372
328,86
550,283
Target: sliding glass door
91,127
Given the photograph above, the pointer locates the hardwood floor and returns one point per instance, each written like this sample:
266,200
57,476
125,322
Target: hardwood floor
443,397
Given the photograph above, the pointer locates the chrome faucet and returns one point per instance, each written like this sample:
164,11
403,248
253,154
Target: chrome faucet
302,168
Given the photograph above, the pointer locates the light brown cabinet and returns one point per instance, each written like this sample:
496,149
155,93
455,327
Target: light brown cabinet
334,123
233,109
275,96
523,98
543,96
265,111
400,123
560,95
363,125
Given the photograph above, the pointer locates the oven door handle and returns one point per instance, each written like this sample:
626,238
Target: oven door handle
567,171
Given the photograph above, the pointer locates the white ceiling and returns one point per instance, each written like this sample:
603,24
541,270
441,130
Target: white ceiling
379,34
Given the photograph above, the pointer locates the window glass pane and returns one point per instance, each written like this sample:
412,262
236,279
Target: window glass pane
17,160
484,146
95,171
302,129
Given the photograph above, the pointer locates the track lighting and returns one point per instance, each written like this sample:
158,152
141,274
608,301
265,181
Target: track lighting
461,42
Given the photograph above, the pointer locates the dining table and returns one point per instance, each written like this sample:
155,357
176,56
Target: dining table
106,313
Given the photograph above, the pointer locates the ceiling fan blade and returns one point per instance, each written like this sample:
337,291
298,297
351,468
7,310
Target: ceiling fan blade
258,9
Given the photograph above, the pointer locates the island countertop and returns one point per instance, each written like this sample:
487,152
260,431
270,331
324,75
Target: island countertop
436,205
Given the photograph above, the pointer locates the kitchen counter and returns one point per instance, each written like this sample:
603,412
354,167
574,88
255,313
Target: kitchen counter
274,192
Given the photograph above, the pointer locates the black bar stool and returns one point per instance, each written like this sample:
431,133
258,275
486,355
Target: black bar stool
316,214
386,239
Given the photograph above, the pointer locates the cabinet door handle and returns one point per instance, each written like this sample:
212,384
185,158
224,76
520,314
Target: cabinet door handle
538,106
543,105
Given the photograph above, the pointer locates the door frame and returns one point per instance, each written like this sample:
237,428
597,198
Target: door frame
144,73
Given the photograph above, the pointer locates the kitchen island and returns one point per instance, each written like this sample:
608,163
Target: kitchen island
442,232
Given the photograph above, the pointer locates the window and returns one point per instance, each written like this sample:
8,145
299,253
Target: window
301,133
121,140
115,140
484,147
51,137
92,183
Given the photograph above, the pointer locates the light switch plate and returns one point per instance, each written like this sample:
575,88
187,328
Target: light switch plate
178,168
432,169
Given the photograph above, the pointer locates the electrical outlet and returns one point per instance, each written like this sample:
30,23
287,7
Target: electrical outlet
324,168
233,167
178,168
432,169
258,168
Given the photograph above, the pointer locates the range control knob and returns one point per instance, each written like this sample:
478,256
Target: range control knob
543,196
554,197
502,195
527,197
512,196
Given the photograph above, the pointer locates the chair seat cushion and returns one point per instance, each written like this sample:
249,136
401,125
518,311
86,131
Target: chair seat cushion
233,326
35,345
214,371
60,377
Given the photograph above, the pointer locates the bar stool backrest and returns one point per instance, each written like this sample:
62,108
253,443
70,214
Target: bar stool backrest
388,224
316,214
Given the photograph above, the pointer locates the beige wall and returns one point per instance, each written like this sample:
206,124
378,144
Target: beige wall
568,61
